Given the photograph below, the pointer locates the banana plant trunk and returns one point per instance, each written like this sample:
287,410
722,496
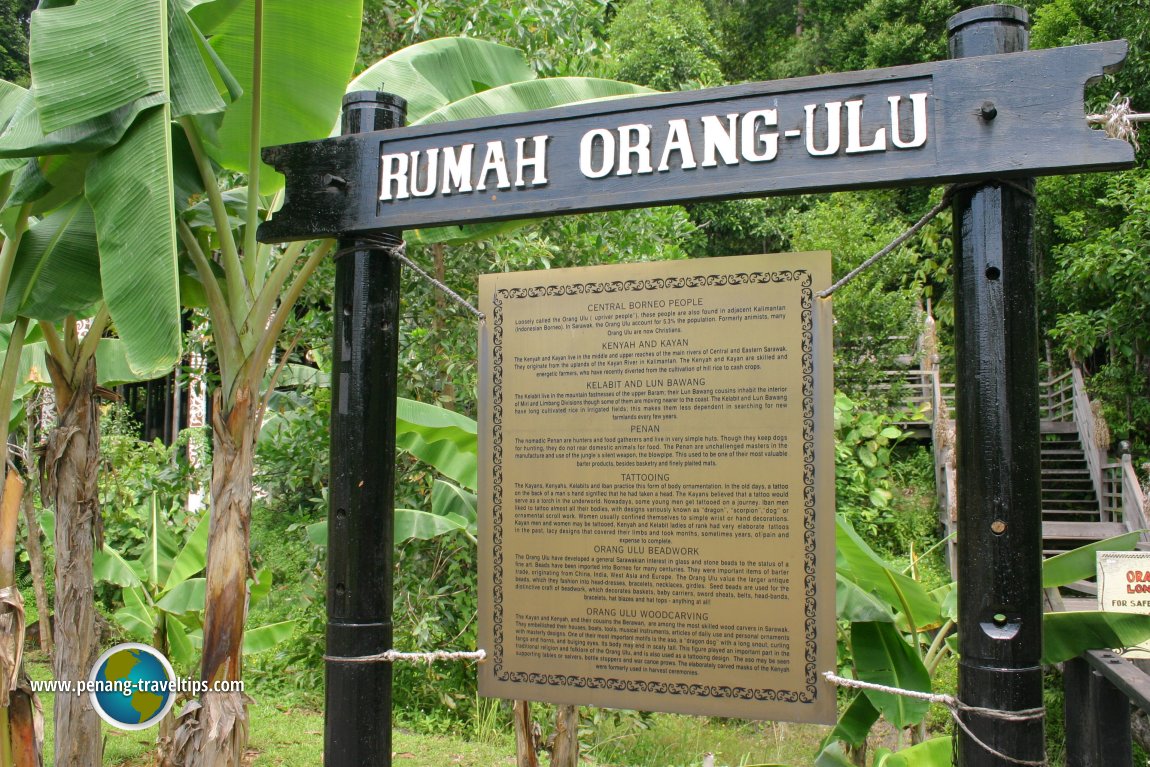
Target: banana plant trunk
39,577
69,472
21,724
214,733
565,751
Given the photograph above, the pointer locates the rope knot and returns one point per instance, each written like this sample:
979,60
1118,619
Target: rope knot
1120,121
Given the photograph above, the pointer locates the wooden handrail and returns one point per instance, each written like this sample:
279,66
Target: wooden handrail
1133,501
1087,435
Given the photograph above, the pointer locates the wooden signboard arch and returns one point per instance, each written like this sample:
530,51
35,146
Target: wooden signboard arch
993,112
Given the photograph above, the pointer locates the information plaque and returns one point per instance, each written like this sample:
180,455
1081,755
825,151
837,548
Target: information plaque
657,487
1124,587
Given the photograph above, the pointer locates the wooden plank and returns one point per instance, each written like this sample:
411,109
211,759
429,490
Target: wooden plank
1123,674
1074,604
1084,587
1081,530
1010,115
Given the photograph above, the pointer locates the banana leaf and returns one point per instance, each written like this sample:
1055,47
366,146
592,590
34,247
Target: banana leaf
1081,563
308,54
441,438
883,657
1066,635
857,562
936,752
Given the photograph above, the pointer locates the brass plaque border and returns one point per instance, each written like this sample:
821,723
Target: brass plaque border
804,278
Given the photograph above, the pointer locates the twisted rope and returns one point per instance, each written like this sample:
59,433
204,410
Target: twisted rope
395,656
956,708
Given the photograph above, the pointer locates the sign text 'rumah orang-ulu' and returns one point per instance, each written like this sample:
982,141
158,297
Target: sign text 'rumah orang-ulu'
1010,115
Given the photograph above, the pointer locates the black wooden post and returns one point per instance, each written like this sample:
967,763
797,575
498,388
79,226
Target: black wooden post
357,728
999,506
1097,718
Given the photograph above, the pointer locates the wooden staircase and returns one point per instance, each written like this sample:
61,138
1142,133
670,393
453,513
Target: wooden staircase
1087,496
1071,512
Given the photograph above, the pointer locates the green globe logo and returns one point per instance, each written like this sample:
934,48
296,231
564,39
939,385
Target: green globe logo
132,686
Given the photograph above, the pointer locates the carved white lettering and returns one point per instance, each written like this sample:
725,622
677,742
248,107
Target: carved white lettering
918,107
430,172
834,110
718,139
393,172
769,141
457,169
494,160
537,161
587,154
854,131
634,141
678,140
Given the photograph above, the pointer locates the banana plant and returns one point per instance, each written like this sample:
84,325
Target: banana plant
899,633
442,79
163,591
88,195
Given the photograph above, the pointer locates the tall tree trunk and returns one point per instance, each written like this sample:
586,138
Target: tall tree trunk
69,472
214,733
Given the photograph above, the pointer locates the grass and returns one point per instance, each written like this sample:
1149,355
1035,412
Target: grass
673,740
281,737
291,736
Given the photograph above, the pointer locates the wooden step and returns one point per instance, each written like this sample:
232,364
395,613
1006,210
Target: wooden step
1058,427
1082,531
1079,604
1066,473
1086,588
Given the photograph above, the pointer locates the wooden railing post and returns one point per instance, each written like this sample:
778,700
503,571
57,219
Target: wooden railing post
1097,717
1133,500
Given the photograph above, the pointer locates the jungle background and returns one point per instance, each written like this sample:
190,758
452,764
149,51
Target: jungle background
1093,249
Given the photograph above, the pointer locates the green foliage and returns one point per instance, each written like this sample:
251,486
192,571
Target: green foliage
14,40
135,475
292,450
666,44
877,319
740,227
863,489
161,601
1101,285
436,592
772,40
560,37
1071,22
